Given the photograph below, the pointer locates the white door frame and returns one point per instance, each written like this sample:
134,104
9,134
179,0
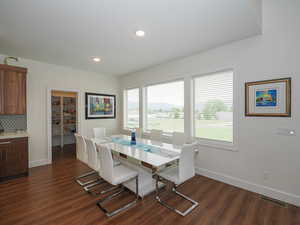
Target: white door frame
49,116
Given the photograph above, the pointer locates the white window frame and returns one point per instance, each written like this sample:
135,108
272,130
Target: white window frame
232,146
145,104
125,107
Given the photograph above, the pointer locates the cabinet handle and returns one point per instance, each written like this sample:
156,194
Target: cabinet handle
5,143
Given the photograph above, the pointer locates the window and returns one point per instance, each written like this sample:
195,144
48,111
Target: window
213,106
132,108
165,104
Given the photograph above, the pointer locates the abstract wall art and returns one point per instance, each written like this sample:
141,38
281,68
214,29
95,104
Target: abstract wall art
100,106
268,98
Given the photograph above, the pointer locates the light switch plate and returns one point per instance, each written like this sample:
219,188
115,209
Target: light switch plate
286,132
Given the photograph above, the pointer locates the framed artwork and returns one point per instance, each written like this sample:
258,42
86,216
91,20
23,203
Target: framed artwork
100,106
268,98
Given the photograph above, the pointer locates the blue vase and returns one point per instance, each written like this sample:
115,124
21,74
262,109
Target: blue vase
133,139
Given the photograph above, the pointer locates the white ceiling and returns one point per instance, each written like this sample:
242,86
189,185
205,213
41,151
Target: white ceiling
72,32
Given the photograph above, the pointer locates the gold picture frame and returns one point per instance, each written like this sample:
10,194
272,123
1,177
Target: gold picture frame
268,98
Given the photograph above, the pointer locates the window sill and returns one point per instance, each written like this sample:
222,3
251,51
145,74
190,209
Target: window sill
217,144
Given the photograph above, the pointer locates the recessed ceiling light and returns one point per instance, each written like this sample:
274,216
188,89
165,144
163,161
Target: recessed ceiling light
140,33
96,59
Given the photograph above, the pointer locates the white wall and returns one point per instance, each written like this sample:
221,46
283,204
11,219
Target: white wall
42,76
274,54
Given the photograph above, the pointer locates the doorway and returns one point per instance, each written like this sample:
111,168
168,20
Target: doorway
64,121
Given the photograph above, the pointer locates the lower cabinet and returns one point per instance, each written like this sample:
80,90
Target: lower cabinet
13,158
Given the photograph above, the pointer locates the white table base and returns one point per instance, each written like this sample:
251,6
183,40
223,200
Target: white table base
146,182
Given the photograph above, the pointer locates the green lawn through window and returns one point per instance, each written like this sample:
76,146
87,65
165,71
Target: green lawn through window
210,129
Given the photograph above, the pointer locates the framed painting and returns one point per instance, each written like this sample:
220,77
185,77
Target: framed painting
100,106
268,98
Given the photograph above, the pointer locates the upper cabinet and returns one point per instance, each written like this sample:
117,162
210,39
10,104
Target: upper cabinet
12,90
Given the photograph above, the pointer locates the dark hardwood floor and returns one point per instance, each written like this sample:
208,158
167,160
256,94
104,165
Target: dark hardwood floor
67,152
50,196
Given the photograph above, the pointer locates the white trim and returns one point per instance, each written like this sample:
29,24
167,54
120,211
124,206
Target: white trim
213,72
128,89
165,82
253,187
125,107
144,110
188,107
40,162
49,116
216,144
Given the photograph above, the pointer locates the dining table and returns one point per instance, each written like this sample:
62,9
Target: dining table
145,156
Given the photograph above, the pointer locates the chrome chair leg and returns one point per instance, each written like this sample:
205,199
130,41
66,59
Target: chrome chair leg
121,209
86,175
194,203
109,190
101,181
87,188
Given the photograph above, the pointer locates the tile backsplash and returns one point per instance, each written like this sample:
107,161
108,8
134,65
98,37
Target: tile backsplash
11,123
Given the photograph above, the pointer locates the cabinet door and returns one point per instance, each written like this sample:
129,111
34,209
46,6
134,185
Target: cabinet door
11,161
15,92
4,147
17,157
21,146
2,92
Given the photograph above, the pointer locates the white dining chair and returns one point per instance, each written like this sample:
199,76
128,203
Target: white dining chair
178,175
99,132
93,161
178,138
80,146
156,135
81,154
100,137
115,176
139,132
92,154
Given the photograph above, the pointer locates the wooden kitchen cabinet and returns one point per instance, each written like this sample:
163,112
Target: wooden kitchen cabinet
13,158
2,92
13,90
4,146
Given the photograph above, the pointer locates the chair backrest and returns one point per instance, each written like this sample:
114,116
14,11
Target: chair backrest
156,135
106,162
178,138
99,132
139,132
80,148
93,161
186,162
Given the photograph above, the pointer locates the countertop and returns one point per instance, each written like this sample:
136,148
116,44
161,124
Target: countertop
8,135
